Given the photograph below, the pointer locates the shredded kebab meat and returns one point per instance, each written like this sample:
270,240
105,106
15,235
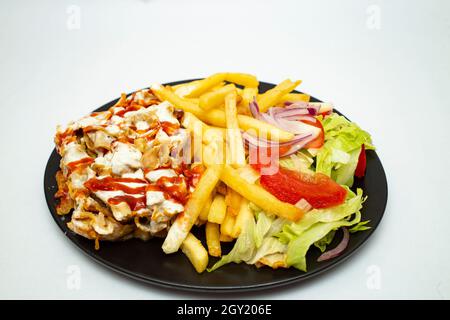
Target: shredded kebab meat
125,172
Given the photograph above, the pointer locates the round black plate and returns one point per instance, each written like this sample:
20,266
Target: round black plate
146,261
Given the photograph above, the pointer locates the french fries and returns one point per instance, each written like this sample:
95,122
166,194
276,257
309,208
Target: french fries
218,209
213,239
294,97
196,253
243,79
234,138
245,213
198,88
227,225
185,220
215,98
184,88
206,84
272,96
216,133
216,117
259,196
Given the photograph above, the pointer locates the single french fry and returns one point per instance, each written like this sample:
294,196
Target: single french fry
227,225
184,88
196,252
204,85
185,220
225,238
259,196
215,98
218,86
205,210
213,239
218,209
243,79
233,201
196,128
272,96
234,138
294,97
213,147
245,213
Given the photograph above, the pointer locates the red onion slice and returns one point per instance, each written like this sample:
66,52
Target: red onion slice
333,253
300,118
288,112
297,127
295,144
288,119
260,142
254,109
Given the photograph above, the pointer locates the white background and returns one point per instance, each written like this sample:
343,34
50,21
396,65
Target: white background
391,75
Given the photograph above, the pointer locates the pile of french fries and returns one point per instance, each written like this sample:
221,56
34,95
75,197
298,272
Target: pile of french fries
216,110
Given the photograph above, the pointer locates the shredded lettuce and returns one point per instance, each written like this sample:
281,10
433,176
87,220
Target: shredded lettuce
300,161
297,248
269,246
325,241
360,227
263,224
338,157
317,227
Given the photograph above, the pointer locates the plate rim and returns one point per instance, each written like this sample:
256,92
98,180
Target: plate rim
202,288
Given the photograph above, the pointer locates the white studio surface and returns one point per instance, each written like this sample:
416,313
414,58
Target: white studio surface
382,63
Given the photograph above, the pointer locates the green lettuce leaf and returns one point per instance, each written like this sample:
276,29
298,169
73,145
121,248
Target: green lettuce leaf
338,157
263,224
300,162
317,228
360,227
297,248
345,173
325,241
270,245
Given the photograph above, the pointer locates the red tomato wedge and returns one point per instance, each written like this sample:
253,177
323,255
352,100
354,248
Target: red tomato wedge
291,186
317,142
362,162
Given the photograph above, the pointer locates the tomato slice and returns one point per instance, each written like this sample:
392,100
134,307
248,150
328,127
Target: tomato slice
362,162
291,186
317,142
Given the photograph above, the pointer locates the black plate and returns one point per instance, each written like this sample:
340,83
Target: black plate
146,261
